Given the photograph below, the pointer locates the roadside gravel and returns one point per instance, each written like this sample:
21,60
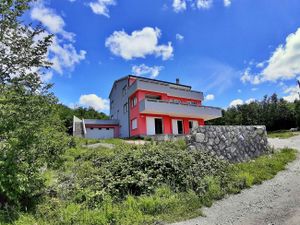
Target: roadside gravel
275,202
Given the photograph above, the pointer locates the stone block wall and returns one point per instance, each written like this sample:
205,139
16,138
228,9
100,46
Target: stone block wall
232,143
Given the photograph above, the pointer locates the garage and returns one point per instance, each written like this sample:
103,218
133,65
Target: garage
96,129
100,133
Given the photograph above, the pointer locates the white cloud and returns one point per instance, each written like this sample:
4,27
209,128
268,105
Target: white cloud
100,7
144,70
179,5
138,44
61,52
284,62
248,77
250,100
236,102
239,91
179,37
64,55
53,22
227,3
254,89
282,65
94,101
204,4
292,93
209,97
46,76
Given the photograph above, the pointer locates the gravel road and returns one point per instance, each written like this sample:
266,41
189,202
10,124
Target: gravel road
275,202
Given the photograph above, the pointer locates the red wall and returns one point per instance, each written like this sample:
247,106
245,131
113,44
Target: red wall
167,120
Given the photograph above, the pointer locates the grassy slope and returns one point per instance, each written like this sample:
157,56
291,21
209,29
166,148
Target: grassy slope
163,205
283,134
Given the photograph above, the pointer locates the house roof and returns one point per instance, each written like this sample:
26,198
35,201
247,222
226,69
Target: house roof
101,122
150,79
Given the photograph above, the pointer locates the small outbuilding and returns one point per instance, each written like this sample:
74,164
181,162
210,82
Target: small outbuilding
95,129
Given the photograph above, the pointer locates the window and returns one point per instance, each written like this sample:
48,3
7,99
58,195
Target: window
107,128
125,108
133,124
193,124
124,90
99,128
133,101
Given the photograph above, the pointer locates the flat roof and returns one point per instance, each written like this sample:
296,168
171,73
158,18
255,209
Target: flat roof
101,122
150,79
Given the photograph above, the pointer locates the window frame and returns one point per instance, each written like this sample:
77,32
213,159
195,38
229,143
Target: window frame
133,102
134,122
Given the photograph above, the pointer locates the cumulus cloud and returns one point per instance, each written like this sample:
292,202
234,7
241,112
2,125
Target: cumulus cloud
62,52
144,70
100,7
251,78
227,3
204,4
138,44
292,93
94,101
284,62
64,55
47,76
179,37
53,22
282,65
179,5
209,97
236,102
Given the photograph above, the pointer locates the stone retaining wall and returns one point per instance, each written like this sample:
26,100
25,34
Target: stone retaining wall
232,143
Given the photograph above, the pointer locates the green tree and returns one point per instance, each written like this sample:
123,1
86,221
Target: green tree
31,134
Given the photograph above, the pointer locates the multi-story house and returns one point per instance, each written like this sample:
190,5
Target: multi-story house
144,106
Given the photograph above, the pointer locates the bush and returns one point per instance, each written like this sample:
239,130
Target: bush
138,170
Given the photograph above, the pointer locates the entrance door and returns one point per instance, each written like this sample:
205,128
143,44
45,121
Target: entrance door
177,126
158,126
180,126
150,125
154,125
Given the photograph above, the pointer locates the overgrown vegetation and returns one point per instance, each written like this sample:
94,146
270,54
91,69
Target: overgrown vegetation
32,137
283,134
141,184
48,178
275,113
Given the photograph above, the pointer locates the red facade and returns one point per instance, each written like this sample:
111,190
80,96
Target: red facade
141,128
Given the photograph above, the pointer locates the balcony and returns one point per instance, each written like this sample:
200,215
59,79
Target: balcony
179,109
169,89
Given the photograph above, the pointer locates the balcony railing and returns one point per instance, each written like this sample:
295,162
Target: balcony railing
179,109
164,88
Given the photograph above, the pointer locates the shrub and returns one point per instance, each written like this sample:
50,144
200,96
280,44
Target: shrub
138,170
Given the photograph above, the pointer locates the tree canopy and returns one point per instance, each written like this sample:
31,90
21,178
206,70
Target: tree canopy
32,136
274,112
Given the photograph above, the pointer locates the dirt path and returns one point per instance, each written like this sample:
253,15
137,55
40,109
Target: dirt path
275,202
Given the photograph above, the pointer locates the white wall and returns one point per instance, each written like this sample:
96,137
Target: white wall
101,133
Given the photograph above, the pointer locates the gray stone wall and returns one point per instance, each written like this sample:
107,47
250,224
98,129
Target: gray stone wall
232,143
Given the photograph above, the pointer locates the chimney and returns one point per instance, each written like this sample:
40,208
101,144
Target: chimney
177,81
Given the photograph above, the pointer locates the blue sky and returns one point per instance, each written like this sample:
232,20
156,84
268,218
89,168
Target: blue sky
233,50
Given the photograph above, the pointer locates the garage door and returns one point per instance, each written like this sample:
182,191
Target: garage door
100,133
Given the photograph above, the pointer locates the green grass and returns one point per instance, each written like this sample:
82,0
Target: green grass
283,134
163,205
